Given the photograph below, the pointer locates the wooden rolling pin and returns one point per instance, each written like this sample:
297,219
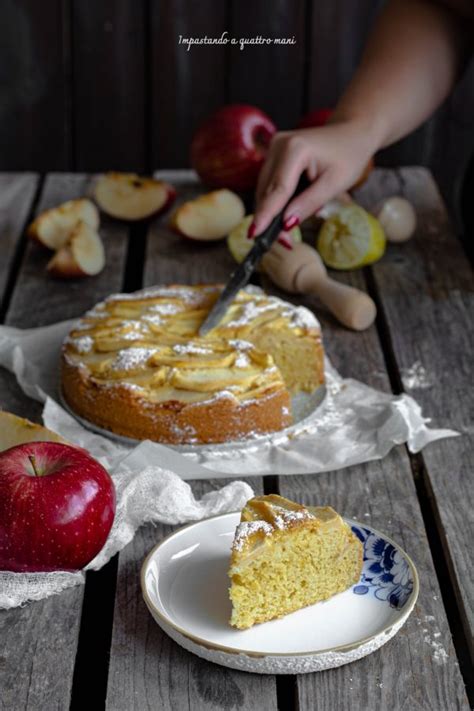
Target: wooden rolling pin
302,271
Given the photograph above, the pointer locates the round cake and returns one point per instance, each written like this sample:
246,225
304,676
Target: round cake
135,365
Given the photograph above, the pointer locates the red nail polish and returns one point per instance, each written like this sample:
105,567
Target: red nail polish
286,243
251,231
291,222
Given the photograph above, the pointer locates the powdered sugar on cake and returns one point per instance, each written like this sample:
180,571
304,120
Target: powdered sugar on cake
131,358
192,348
241,345
242,361
83,344
166,309
154,319
250,311
248,528
304,318
285,518
134,335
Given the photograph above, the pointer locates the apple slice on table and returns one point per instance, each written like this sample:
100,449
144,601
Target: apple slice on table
52,228
57,506
17,430
127,196
83,255
209,217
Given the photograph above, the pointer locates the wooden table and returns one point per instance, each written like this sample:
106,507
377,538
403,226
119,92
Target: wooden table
98,643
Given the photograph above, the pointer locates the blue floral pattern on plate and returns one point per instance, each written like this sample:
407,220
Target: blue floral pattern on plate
385,572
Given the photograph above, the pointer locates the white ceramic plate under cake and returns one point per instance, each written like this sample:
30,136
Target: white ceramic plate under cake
185,585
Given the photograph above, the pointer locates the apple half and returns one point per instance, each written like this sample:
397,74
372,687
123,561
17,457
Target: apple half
53,227
209,217
17,430
83,255
127,196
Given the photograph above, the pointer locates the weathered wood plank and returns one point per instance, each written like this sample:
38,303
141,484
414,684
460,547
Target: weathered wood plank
185,86
17,191
173,258
34,38
426,289
38,642
55,300
148,670
109,85
258,66
37,650
418,668
383,495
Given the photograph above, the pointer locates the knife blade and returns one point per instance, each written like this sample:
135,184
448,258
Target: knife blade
242,274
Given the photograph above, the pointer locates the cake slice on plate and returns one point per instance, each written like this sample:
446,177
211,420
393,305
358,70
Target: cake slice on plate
286,556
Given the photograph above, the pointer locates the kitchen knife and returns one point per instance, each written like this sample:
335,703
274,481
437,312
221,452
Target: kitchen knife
244,271
242,274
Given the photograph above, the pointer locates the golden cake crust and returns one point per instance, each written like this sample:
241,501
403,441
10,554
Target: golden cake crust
173,422
134,365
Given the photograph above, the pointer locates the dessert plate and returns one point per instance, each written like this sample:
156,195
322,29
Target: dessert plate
185,585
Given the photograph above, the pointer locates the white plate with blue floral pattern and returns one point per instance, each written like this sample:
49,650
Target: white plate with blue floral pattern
185,586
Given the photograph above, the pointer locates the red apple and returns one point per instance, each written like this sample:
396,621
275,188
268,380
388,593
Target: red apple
229,148
57,506
319,117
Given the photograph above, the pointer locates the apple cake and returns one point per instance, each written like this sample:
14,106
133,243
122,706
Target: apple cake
286,556
135,364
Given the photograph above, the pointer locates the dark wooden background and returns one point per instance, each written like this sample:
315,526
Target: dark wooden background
91,85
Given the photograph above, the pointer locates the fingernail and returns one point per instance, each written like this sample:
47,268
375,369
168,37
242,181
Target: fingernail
251,231
291,222
285,242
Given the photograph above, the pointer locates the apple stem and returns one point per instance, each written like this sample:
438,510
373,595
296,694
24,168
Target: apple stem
32,459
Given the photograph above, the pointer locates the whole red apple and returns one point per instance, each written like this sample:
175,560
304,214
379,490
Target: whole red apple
57,506
319,117
229,148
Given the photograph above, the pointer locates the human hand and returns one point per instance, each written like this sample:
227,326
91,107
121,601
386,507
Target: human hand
333,157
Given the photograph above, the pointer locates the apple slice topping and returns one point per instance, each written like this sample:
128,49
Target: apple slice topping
52,228
127,196
82,256
209,217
